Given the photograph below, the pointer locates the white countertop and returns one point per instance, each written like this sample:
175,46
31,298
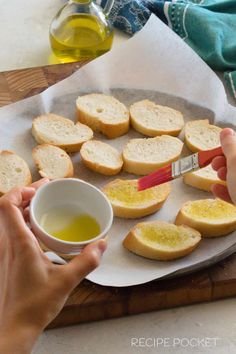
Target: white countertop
24,33
213,320
24,43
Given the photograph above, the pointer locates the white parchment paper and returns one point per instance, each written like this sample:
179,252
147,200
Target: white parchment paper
158,65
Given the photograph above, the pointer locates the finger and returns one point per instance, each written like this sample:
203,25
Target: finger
26,214
228,142
221,192
11,214
39,183
19,196
85,262
218,162
222,173
26,195
25,203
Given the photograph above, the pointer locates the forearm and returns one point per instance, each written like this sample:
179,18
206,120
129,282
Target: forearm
17,339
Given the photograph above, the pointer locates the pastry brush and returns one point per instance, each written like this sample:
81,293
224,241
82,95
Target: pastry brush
178,168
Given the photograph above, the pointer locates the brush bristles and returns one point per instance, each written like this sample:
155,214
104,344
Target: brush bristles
162,175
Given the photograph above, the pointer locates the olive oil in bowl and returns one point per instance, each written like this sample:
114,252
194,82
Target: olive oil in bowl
68,223
67,214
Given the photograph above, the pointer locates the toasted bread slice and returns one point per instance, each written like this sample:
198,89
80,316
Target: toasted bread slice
211,217
14,172
151,119
101,157
200,135
62,132
203,179
143,156
103,114
128,203
161,240
52,162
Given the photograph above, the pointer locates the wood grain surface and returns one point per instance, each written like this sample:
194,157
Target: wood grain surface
90,302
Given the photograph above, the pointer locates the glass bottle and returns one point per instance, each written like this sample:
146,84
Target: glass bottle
81,31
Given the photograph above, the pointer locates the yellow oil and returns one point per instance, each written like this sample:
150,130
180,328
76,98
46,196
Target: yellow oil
127,193
212,209
170,236
80,37
70,224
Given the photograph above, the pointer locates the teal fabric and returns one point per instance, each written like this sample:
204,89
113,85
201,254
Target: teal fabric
208,26
210,29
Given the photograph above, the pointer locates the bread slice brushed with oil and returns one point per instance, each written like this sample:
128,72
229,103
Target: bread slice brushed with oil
161,240
211,217
128,203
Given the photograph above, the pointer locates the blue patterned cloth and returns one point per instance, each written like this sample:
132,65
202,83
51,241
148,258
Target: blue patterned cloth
208,26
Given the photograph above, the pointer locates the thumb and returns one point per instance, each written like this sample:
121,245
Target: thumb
228,143
86,261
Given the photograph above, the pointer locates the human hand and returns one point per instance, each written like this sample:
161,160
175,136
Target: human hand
33,290
226,167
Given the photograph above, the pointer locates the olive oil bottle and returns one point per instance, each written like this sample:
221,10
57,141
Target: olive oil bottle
80,31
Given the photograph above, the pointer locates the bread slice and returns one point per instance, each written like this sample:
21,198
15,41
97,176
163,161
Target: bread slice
62,132
211,217
52,162
103,114
143,156
203,179
101,157
14,172
151,119
128,203
161,240
200,135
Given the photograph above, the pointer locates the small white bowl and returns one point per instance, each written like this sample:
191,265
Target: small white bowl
69,191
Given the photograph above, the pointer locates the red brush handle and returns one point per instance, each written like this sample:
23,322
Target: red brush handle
205,157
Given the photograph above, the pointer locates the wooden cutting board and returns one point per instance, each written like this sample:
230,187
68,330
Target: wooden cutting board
90,302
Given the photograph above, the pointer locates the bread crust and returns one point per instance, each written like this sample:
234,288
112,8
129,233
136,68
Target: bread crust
143,128
206,228
136,245
103,170
133,212
110,130
151,132
143,168
101,167
189,130
70,148
97,124
200,182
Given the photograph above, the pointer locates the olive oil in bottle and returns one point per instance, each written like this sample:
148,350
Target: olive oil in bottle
80,31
